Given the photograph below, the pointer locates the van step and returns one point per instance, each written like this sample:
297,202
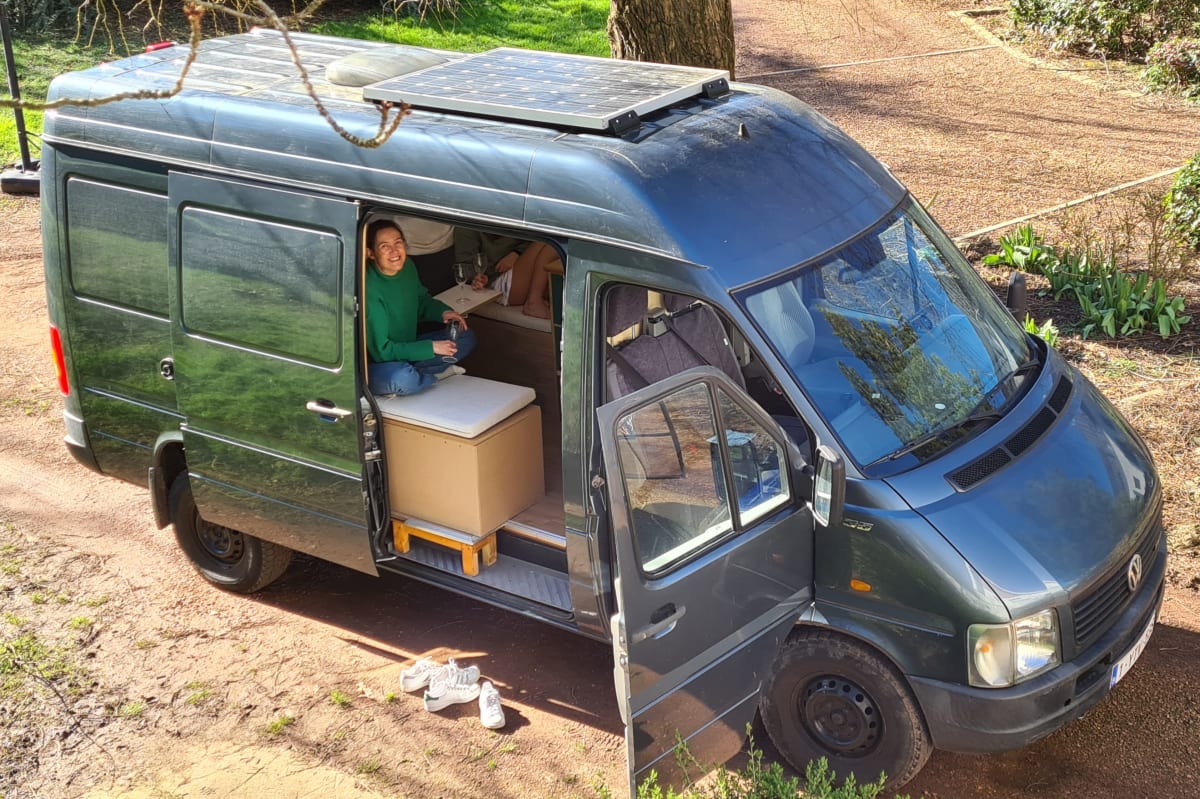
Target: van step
514,576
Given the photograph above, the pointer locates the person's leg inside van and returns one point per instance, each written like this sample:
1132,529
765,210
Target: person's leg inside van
530,279
397,377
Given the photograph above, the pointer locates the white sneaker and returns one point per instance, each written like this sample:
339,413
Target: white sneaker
491,714
417,675
451,685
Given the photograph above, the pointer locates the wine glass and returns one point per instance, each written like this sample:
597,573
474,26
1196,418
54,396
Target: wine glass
451,335
480,267
462,275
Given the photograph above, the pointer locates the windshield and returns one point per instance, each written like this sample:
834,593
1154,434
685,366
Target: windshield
896,340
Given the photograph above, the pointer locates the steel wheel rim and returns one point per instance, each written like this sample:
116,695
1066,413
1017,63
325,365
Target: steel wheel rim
223,544
841,716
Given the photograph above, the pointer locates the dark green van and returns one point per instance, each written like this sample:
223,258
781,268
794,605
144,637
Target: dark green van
792,456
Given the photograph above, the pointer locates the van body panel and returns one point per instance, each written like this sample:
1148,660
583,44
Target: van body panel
445,176
703,604
1084,493
591,186
981,720
913,587
110,300
263,310
823,187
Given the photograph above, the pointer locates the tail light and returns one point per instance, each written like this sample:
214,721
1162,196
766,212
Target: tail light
60,363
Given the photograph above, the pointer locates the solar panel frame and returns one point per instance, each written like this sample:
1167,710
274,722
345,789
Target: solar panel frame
548,88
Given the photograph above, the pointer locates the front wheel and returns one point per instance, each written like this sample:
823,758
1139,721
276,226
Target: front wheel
226,558
830,696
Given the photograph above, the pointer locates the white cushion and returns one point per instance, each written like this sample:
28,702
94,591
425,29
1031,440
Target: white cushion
461,405
511,314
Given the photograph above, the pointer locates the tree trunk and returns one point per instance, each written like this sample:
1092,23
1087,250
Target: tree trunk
697,33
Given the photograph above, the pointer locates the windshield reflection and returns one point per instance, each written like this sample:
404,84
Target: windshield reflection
896,340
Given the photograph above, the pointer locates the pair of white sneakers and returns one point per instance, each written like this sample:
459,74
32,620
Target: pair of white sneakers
452,685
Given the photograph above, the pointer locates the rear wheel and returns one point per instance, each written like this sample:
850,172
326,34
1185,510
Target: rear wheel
830,696
227,558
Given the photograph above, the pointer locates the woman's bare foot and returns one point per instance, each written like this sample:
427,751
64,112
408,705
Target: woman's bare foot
538,309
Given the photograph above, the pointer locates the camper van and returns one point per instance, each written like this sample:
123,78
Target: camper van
778,444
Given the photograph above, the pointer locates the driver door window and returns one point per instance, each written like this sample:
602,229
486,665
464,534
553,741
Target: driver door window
677,473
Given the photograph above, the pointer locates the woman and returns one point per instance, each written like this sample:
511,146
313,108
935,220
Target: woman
400,360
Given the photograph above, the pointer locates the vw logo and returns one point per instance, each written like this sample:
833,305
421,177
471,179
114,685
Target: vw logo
1133,575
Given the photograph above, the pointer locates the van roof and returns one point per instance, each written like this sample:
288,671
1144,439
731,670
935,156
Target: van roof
740,178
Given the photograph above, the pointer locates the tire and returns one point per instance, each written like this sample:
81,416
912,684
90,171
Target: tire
226,558
830,696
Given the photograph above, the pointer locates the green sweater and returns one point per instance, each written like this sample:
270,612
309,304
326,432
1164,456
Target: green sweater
394,307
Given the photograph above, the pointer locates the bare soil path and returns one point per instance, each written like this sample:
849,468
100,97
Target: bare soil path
185,691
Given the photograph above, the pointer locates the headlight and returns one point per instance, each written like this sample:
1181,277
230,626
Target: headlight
1004,654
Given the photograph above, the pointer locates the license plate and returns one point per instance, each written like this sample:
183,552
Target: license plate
1122,666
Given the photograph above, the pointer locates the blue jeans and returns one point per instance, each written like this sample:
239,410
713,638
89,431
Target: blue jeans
405,377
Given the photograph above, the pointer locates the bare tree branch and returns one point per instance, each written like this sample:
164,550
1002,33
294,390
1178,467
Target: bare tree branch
194,10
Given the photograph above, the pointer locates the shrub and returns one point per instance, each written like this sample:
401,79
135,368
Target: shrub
1110,28
1174,64
1183,204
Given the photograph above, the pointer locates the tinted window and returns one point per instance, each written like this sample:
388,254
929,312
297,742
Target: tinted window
268,285
117,243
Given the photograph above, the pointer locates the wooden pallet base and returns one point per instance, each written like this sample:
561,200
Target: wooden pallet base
471,547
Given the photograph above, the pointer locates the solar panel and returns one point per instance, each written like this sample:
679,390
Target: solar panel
551,88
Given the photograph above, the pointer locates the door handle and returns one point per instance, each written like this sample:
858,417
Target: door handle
327,410
662,622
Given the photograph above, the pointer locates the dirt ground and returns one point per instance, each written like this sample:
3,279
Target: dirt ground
180,690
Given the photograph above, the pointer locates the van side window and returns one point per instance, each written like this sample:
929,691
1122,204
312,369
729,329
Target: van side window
677,469
271,286
123,262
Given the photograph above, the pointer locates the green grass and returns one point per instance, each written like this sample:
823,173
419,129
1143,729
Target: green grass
567,26
40,58
131,710
280,724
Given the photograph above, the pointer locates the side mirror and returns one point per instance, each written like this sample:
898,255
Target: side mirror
829,488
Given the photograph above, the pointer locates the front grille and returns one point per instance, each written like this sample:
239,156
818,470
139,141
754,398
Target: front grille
1095,611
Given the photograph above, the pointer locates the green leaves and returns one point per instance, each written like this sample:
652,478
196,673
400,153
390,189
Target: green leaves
1115,302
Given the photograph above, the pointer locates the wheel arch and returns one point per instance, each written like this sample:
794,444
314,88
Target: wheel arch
170,461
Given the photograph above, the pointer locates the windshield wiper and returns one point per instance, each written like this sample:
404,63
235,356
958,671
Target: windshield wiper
975,417
933,435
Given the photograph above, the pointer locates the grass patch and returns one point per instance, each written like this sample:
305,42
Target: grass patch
199,692
340,699
279,724
565,26
370,765
80,623
39,59
27,659
131,710
144,644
